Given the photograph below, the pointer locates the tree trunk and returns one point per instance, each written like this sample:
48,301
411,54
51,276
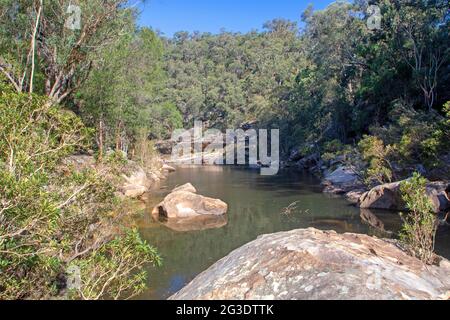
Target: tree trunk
100,140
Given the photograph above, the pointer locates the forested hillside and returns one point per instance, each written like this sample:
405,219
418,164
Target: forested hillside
329,83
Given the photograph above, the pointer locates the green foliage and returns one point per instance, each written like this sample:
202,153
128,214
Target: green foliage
419,229
127,255
62,57
52,215
376,154
231,79
124,92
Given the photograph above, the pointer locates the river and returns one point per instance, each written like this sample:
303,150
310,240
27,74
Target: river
256,206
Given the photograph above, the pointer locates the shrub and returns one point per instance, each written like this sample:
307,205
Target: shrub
419,228
51,220
376,154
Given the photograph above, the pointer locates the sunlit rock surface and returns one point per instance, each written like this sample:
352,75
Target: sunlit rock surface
183,202
312,264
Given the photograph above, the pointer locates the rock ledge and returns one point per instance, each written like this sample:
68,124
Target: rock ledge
311,264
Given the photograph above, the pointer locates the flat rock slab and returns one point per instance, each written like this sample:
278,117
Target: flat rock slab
311,264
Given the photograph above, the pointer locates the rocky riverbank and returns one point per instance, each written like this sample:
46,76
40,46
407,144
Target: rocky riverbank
131,180
340,178
312,264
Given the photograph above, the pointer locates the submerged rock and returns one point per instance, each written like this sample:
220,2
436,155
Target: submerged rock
199,223
311,264
183,202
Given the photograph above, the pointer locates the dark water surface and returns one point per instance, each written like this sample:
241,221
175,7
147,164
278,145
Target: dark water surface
256,206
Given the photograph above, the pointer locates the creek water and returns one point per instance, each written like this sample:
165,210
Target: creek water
257,205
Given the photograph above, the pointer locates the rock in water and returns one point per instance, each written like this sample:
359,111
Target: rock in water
183,202
388,196
312,264
341,181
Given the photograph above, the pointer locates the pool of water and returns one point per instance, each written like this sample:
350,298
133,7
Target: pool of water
256,206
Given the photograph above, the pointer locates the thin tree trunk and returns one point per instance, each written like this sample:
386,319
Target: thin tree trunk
33,46
100,140
118,138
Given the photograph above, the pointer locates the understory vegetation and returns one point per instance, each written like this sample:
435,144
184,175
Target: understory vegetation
54,217
419,229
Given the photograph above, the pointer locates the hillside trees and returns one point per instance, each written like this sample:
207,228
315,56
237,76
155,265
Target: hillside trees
39,53
123,95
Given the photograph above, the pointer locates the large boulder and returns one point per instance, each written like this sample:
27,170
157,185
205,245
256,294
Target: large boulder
311,264
341,181
136,181
183,202
388,196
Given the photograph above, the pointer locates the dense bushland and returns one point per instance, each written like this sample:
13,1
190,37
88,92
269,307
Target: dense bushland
53,217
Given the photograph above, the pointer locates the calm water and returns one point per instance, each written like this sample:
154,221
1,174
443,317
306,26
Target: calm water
256,205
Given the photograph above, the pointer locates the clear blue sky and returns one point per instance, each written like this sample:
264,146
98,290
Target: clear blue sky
170,16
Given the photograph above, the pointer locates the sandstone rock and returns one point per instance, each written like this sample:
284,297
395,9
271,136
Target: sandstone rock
309,162
183,202
354,195
341,181
134,191
136,183
311,264
165,147
388,196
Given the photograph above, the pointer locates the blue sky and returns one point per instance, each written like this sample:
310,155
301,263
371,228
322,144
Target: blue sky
169,16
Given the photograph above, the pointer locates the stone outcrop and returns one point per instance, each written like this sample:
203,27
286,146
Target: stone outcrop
388,197
136,182
312,264
341,181
184,202
133,182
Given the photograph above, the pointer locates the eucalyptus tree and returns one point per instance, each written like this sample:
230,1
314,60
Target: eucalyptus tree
48,46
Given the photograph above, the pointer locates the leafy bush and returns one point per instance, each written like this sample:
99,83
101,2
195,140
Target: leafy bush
376,154
419,229
51,218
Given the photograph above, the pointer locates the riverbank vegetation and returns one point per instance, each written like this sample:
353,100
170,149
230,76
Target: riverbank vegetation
378,99
61,230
